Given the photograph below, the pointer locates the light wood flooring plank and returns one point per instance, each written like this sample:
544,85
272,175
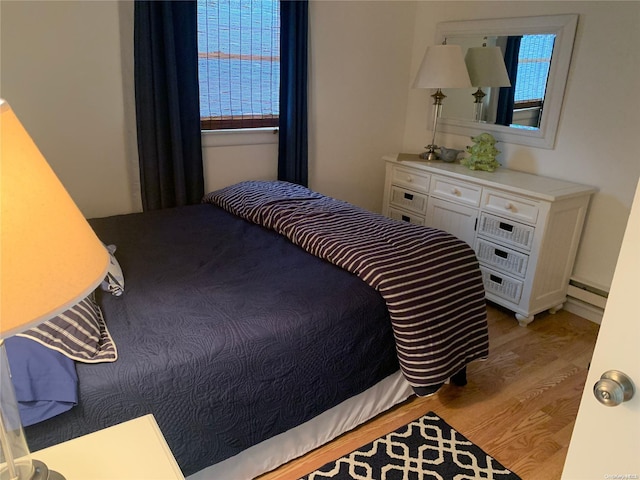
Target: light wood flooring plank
519,405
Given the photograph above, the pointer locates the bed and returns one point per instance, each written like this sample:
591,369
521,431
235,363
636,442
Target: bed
257,318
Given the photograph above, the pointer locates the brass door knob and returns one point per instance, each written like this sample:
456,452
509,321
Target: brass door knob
613,388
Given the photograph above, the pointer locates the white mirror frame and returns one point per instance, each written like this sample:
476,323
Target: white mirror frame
564,27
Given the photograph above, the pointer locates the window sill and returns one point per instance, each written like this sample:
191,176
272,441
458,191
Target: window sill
241,136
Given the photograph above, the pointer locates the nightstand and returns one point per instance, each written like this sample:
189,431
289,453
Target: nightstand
134,450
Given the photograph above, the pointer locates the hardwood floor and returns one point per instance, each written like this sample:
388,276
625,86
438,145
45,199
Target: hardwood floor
520,405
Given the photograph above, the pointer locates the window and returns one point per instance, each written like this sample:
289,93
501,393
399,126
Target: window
534,60
238,63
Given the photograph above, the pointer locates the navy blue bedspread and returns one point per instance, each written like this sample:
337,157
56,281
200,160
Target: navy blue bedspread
227,333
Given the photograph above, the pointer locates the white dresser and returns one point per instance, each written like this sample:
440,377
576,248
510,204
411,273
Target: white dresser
524,228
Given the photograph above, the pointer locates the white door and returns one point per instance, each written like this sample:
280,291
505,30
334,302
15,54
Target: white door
606,439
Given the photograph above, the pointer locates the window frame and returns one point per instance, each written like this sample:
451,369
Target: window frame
239,137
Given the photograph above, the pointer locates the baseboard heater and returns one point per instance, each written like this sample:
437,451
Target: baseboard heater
588,294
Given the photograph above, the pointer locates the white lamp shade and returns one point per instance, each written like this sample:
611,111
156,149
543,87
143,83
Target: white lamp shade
50,258
442,67
486,67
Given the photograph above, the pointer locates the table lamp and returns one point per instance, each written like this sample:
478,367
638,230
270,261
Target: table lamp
442,67
50,259
486,69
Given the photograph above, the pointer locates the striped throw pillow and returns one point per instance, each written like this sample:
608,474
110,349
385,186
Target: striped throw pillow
80,333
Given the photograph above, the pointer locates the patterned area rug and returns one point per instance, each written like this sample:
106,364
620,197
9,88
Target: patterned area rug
425,449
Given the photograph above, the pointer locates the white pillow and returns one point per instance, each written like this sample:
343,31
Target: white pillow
114,281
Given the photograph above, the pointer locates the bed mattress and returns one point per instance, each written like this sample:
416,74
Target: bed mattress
227,332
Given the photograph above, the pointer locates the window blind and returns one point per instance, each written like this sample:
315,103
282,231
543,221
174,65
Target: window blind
239,63
534,60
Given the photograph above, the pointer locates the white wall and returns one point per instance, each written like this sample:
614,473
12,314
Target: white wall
600,119
359,70
62,73
232,156
66,69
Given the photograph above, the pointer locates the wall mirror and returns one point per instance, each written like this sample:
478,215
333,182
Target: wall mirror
535,119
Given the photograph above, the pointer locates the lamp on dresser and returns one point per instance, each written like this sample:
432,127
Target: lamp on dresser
442,67
486,69
50,259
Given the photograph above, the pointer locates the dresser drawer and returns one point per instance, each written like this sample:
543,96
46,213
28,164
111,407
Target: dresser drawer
506,231
410,178
502,258
460,192
512,207
406,216
408,199
501,285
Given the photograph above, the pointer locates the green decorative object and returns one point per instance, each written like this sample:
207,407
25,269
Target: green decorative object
483,153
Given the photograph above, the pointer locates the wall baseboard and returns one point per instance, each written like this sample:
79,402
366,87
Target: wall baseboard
584,310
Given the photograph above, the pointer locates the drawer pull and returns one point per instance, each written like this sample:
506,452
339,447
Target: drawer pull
500,253
455,191
406,218
495,279
408,196
510,206
409,178
506,227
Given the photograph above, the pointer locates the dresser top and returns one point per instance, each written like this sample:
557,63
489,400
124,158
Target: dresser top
522,183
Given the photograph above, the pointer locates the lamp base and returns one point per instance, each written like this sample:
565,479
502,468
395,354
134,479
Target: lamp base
42,472
430,155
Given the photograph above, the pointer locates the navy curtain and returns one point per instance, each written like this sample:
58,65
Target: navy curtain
506,98
167,103
293,142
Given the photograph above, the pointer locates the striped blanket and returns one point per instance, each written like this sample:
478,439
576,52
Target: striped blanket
428,278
